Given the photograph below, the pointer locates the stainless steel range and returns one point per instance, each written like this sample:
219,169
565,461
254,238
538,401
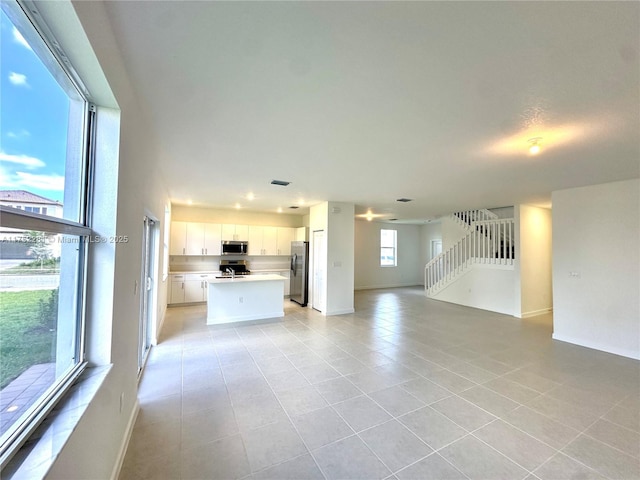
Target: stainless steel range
239,267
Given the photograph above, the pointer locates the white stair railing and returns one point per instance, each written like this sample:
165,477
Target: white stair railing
489,242
467,217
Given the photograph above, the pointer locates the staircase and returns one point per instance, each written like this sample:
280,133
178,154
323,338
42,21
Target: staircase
489,241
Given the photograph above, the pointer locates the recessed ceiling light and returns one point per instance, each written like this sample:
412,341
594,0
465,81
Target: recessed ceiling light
282,183
279,209
404,200
238,205
534,145
189,202
250,196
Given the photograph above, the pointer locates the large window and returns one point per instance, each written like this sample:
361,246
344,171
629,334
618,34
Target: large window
388,248
46,124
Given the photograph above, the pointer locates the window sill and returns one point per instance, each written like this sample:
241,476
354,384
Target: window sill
38,454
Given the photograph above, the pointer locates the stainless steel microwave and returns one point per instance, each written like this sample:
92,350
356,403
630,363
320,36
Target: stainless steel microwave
235,247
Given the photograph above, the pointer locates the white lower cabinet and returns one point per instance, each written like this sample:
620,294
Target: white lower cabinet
189,288
176,295
192,287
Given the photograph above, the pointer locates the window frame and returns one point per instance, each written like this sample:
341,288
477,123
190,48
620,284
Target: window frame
383,247
24,15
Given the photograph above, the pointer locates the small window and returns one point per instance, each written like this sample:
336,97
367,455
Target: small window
388,248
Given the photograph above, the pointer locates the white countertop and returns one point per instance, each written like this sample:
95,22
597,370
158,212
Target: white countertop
246,279
218,272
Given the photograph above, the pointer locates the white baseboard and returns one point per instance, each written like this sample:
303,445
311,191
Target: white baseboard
623,352
340,312
535,313
125,441
395,285
159,327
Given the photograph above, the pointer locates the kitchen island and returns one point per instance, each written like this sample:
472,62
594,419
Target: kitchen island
244,298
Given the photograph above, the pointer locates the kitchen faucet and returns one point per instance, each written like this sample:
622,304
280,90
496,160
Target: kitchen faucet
232,272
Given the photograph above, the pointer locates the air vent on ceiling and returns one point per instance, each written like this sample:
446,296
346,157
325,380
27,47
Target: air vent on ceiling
404,200
393,219
282,183
294,206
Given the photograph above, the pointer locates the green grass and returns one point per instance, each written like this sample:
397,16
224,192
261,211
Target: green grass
27,331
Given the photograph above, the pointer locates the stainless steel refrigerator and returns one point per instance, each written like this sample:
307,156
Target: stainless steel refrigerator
299,276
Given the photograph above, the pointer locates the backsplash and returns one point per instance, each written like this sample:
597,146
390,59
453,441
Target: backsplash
181,263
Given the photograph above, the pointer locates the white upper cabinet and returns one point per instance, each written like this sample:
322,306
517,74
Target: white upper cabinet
203,239
263,240
212,239
285,236
270,241
235,232
301,234
178,245
195,239
255,240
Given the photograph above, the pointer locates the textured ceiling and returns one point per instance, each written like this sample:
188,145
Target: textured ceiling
369,102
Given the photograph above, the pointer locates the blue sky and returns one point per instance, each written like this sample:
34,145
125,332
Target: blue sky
33,119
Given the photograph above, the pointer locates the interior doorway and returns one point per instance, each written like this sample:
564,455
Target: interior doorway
436,248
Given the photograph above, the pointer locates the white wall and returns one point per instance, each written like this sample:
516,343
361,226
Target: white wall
534,261
452,232
96,443
340,258
336,220
596,235
369,273
487,288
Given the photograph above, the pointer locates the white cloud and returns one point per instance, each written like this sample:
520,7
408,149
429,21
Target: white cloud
19,135
18,38
43,182
29,162
18,79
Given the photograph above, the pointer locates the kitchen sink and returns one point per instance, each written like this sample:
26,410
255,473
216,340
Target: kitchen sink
230,277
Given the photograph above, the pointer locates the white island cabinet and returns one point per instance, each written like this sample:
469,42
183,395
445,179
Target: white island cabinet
243,298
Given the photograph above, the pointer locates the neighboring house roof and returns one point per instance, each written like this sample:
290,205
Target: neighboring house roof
22,196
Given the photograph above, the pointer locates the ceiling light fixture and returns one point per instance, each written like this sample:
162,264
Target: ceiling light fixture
238,205
404,200
279,209
250,196
534,145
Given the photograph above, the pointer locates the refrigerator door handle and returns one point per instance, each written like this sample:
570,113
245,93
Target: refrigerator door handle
294,259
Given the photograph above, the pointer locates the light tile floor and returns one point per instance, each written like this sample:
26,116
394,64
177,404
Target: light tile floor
406,388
